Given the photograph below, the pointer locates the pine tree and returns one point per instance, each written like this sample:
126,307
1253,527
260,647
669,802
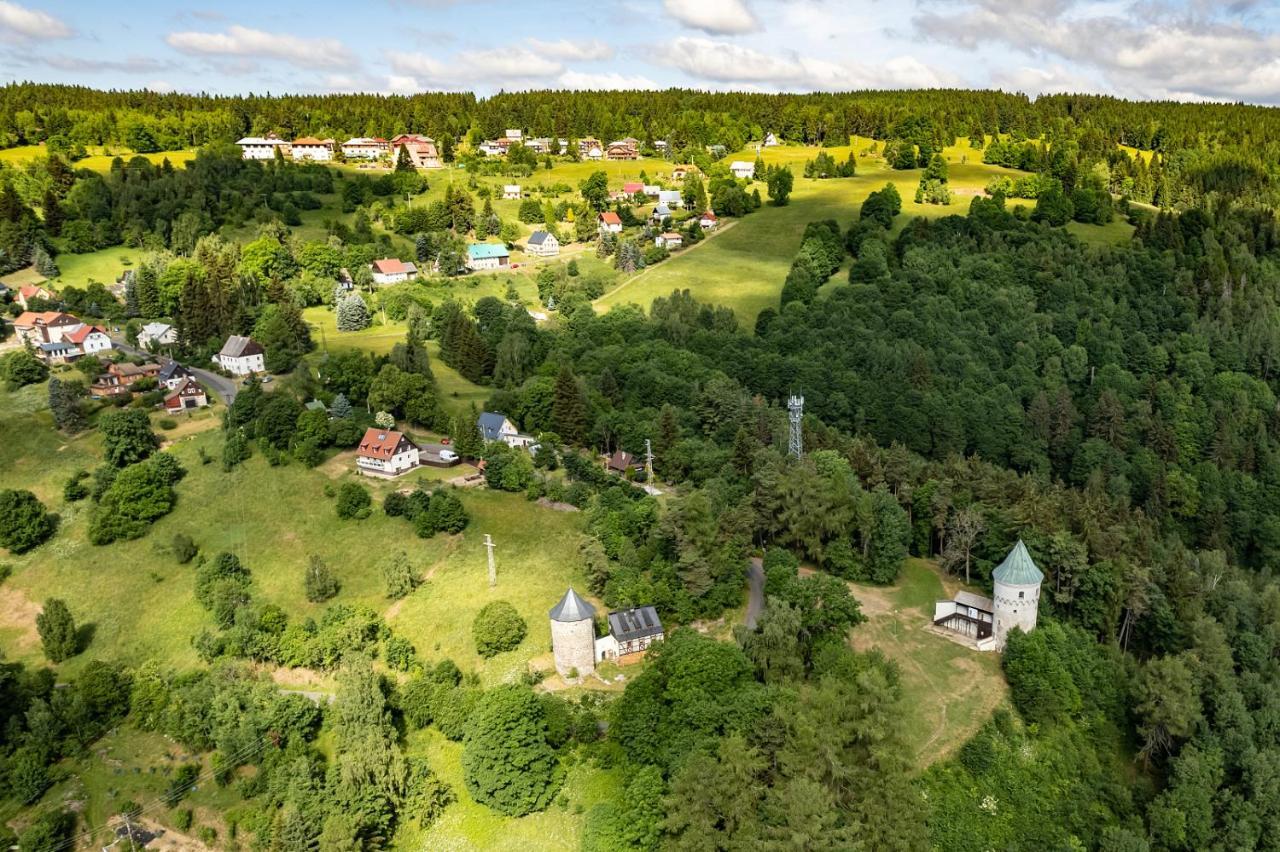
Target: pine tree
341,408
568,408
65,401
53,215
43,263
403,162
57,631
353,313
467,440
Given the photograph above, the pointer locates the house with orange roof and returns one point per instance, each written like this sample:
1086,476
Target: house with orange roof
44,326
311,148
89,339
385,452
610,222
25,294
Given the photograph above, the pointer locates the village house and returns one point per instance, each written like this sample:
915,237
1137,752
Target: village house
682,172
57,352
188,396
262,147
241,356
492,148
365,148
622,463
30,292
633,187
610,222
672,198
660,212
708,221
391,270
651,190
172,374
495,426
514,135
44,327
594,154
542,244
385,452
313,149
1014,604
120,378
511,192
421,150
622,150
631,633
743,169
586,143
157,334
770,140
487,256
89,339
670,240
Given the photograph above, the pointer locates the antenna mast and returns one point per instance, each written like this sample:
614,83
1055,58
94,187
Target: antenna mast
795,414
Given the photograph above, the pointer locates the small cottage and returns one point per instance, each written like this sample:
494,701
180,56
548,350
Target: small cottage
631,633
186,397
495,426
241,356
392,271
670,240
385,452
708,221
487,256
610,223
542,244
511,192
157,334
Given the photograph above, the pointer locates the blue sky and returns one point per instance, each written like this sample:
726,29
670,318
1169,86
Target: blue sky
1183,49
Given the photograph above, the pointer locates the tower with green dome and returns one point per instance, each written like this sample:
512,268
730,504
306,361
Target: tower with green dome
1017,593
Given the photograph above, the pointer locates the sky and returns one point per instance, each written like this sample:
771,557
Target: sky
1153,49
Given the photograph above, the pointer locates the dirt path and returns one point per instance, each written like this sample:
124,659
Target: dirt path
18,613
718,231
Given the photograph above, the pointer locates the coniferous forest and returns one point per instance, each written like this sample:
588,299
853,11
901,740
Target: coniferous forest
969,381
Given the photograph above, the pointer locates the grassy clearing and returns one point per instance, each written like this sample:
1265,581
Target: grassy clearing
99,159
949,690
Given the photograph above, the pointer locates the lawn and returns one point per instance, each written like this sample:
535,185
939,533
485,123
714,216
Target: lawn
949,689
99,159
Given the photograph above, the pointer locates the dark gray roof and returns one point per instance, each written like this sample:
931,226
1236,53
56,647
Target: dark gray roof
537,238
172,369
240,347
572,607
491,424
56,347
634,623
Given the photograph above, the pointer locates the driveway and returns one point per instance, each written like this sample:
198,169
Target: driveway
755,594
225,388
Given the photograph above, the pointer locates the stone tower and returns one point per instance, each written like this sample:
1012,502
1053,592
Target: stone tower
573,635
1017,593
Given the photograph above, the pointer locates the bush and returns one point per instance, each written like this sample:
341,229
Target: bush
24,522
508,764
167,423
184,549
75,488
320,584
398,575
57,631
497,628
353,500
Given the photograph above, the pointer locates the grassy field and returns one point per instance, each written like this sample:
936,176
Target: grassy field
950,690
99,159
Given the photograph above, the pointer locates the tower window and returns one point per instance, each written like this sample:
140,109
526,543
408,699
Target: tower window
1021,595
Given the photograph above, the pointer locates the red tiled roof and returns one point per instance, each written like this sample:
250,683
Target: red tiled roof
379,443
610,218
311,140
709,215
82,332
632,187
390,266
29,318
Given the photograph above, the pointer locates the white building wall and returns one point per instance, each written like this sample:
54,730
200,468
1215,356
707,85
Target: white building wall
96,342
573,645
1016,606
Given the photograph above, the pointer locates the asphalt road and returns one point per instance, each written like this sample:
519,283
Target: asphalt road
755,586
225,388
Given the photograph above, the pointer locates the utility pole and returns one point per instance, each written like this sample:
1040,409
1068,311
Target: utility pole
648,460
795,414
493,570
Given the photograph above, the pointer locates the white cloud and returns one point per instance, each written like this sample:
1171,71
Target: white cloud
737,65
564,49
1192,51
164,87
503,66
20,23
718,17
242,42
610,80
401,85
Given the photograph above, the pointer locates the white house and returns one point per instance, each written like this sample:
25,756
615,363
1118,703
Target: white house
709,221
159,333
241,356
515,135
172,374
311,148
392,271
89,339
610,222
497,427
511,192
671,197
492,149
262,147
542,244
365,148
487,256
594,153
770,140
743,169
669,240
662,211
631,631
651,189
384,452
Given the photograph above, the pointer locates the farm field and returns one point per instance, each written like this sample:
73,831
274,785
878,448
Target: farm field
99,159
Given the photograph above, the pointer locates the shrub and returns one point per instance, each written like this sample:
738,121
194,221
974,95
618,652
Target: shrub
320,583
75,488
57,631
353,499
398,575
497,628
167,423
184,549
24,522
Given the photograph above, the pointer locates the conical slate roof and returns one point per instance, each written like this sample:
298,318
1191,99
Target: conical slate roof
1018,568
572,608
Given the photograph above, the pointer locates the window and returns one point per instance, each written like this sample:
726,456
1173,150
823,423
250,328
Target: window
1021,595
